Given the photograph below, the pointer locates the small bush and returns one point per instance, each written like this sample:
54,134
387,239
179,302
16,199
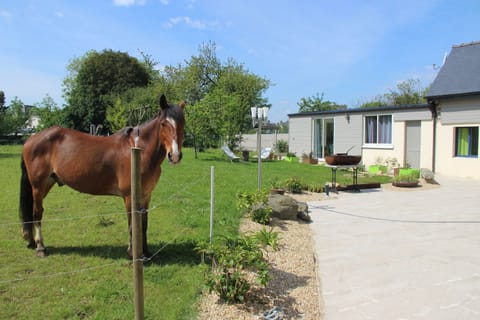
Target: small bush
315,188
268,238
405,178
232,260
262,214
255,204
281,146
294,185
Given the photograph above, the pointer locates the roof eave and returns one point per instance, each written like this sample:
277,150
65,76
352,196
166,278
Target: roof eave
360,110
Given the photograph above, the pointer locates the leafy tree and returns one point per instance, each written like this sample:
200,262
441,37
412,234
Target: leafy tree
2,99
219,97
407,92
94,83
139,104
14,118
49,113
317,103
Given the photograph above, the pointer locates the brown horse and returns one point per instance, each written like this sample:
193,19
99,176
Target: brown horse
97,165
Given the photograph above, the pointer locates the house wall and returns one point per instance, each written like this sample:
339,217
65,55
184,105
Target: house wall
348,134
463,112
373,154
301,135
446,162
460,111
426,152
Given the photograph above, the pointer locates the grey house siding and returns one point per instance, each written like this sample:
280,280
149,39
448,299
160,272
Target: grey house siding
348,134
459,111
412,115
348,126
301,141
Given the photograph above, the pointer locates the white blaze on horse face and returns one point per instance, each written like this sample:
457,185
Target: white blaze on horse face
174,153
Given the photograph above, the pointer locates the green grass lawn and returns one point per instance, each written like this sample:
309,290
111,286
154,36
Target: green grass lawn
87,274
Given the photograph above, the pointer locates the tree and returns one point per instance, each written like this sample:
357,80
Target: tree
2,99
219,97
407,92
14,118
49,113
316,103
94,83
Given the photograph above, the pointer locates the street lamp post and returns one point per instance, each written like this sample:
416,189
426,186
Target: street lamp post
259,115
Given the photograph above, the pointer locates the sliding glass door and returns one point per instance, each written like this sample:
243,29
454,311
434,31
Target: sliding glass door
323,137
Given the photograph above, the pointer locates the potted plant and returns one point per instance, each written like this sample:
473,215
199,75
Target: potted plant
379,167
393,166
309,158
290,157
405,180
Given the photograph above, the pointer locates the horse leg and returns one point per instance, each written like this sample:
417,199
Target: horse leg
128,206
146,252
37,222
38,195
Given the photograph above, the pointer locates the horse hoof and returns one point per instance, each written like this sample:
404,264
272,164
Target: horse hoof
41,253
31,245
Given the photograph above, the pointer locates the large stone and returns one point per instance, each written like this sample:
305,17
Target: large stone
283,207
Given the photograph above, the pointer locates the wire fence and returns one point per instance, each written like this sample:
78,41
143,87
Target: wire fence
92,216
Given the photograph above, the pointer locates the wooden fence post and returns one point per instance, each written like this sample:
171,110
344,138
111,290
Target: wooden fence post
136,191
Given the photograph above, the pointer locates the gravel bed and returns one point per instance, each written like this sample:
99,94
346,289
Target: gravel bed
294,286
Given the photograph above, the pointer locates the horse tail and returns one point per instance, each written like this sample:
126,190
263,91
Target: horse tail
26,202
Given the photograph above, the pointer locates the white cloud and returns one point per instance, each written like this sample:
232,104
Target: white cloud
128,3
195,24
59,14
5,14
164,2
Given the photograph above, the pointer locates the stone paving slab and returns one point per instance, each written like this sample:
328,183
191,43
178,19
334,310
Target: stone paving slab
389,254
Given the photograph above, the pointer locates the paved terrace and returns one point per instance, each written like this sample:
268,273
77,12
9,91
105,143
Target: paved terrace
389,254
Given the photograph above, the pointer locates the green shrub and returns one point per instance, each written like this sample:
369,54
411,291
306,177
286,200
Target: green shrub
281,146
405,178
268,238
255,204
232,259
315,188
294,185
261,214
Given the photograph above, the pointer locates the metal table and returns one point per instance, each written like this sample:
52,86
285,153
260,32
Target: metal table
334,174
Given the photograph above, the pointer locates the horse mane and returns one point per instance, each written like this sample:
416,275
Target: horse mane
173,111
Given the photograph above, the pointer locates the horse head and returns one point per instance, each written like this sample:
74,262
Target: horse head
172,122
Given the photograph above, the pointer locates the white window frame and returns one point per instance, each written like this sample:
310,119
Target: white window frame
376,145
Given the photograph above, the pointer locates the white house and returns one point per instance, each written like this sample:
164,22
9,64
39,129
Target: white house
441,136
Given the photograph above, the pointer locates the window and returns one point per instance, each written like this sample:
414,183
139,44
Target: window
378,129
466,142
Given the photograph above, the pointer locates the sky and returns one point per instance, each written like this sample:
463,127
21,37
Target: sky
349,50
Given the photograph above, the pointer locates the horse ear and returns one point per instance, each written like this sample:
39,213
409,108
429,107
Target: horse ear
182,104
163,102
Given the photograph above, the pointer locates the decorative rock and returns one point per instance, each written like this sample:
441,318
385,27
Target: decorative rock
303,212
304,216
426,174
283,207
302,206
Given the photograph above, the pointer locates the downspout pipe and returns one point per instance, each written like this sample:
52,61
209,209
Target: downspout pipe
433,109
